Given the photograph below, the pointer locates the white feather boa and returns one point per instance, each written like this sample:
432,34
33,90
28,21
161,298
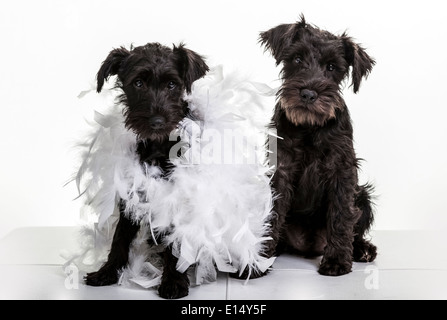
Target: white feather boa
215,205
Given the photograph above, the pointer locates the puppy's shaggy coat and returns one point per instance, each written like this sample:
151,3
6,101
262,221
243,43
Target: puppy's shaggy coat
321,208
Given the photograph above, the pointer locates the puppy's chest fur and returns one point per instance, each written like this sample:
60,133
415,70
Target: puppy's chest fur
156,154
316,155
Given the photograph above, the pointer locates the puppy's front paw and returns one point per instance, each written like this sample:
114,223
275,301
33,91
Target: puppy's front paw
253,274
364,251
102,277
333,267
173,288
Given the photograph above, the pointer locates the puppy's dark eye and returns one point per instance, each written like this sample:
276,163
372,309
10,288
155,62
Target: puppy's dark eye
138,83
171,85
330,67
298,60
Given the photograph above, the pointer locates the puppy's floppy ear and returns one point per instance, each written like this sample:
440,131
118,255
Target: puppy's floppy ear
360,61
281,37
191,64
110,66
277,39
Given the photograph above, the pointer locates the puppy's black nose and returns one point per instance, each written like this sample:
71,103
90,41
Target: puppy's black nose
157,122
308,95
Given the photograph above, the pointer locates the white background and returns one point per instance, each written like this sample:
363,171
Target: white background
50,50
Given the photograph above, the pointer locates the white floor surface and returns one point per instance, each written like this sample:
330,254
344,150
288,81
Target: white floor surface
410,265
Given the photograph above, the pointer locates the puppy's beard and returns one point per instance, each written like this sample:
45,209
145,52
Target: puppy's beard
139,123
153,136
144,132
314,114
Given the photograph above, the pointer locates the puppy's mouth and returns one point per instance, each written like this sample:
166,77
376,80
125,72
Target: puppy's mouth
310,107
151,129
158,133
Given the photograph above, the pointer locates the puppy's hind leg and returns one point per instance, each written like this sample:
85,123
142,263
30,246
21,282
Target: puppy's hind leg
174,284
364,251
119,253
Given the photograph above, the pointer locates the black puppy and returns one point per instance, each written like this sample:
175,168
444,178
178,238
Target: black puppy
153,79
321,209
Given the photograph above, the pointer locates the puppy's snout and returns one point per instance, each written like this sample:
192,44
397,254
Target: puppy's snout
308,96
157,122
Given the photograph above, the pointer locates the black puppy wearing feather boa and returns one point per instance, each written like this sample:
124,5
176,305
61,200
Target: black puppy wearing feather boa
174,172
